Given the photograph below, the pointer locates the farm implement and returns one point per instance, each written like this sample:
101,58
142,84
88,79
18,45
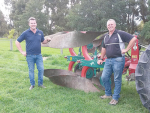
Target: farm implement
70,40
83,71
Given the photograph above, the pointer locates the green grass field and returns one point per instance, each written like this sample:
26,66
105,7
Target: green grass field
15,96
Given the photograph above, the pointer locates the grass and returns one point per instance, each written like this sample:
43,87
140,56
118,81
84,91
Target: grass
15,96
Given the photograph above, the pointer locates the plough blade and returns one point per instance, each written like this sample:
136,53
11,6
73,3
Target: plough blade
70,80
73,39
56,72
75,82
97,42
50,37
95,81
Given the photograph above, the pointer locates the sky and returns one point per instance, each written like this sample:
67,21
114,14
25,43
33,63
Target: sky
5,10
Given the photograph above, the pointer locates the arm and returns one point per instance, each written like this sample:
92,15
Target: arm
19,48
103,52
131,43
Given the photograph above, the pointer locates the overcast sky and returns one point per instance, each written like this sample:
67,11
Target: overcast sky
4,10
2,7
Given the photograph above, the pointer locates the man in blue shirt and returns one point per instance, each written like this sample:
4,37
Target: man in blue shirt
33,37
113,47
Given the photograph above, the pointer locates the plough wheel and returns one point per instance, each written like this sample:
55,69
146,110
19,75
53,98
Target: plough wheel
142,78
87,72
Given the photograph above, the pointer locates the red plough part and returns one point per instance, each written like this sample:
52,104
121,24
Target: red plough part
87,57
72,52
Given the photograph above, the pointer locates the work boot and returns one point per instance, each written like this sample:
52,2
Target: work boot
42,86
105,96
113,102
31,87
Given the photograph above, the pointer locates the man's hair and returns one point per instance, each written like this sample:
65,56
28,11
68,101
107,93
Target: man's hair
111,20
31,18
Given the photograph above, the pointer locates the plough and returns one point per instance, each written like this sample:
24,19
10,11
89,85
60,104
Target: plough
87,64
86,74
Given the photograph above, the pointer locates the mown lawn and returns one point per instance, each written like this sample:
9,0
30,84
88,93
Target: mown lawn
15,96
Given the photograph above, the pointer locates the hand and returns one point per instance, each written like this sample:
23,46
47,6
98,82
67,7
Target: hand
123,51
99,62
24,53
48,39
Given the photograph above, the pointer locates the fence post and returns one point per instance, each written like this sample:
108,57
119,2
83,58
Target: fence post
61,50
11,45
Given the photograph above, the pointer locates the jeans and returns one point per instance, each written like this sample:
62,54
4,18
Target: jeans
38,60
113,65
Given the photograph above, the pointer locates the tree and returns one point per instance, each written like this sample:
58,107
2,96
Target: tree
56,11
3,25
24,9
143,9
145,33
17,9
34,8
11,36
50,14
74,2
87,15
140,26
93,14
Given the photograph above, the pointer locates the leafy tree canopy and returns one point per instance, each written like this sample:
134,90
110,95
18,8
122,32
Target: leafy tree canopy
146,30
3,25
